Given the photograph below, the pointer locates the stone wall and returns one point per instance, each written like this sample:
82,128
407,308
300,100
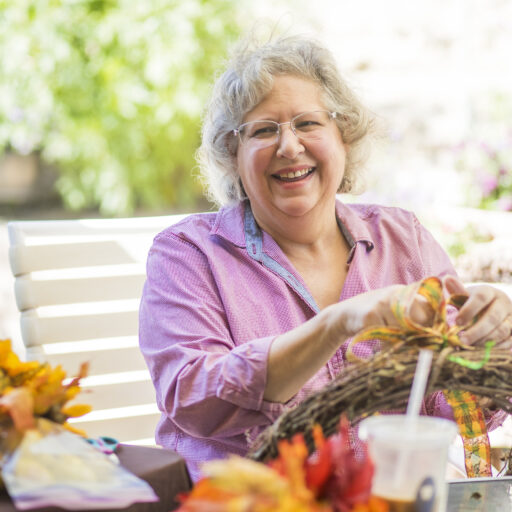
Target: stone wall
25,180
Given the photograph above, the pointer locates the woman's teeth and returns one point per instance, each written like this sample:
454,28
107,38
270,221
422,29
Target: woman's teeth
295,174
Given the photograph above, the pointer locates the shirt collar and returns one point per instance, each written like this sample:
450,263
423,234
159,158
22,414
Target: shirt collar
230,225
355,220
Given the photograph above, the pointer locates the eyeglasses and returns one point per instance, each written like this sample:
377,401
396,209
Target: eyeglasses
307,126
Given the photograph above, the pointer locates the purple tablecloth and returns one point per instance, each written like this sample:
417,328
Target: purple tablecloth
164,470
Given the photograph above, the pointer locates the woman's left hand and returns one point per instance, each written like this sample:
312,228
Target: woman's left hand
494,307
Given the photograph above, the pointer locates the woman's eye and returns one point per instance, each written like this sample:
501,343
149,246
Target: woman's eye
264,131
307,123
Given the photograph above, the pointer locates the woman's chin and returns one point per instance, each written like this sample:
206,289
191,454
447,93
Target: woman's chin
296,207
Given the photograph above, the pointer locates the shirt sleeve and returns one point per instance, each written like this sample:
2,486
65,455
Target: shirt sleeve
206,385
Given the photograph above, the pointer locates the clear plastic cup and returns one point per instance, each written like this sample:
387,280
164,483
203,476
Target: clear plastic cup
410,460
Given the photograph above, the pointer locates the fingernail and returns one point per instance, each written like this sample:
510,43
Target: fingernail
463,338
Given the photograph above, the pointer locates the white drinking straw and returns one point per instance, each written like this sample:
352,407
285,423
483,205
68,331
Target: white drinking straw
419,384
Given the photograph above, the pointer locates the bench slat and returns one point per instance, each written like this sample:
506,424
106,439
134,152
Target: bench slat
36,330
32,293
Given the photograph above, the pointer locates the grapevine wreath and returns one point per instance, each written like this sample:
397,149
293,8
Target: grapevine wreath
383,382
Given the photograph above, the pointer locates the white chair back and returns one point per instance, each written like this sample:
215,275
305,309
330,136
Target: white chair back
78,284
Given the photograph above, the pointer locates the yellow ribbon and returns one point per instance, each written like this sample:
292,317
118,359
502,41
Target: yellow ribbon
439,335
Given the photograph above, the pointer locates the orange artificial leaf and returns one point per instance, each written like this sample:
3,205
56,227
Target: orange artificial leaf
71,392
377,504
19,403
74,430
320,466
11,363
31,389
82,373
293,456
374,504
205,490
15,367
76,410
5,351
351,477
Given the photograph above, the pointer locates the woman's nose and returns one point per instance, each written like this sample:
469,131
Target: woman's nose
289,145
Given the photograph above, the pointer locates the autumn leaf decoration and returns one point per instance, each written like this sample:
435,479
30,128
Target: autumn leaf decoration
332,479
31,389
439,336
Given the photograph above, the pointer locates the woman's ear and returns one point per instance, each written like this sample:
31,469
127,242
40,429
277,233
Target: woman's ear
231,143
242,187
345,185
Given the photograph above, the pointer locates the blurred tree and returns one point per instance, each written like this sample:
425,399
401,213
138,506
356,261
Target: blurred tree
111,92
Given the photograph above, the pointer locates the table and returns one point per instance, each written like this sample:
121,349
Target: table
164,470
167,474
482,495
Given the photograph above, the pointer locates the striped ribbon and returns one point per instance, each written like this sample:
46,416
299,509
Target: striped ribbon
472,428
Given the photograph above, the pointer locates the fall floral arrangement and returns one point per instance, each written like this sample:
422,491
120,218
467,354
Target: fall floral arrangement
332,479
30,390
44,465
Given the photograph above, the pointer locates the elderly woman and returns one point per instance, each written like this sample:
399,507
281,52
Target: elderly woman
248,310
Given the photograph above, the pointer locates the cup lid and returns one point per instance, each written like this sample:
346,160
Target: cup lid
397,428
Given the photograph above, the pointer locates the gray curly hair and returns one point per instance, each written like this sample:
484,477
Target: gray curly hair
245,83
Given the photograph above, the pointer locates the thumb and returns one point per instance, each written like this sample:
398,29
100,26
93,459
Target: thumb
453,286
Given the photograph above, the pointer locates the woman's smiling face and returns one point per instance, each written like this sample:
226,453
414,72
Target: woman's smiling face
317,166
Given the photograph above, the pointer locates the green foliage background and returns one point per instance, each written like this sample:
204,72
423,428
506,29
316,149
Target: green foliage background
111,92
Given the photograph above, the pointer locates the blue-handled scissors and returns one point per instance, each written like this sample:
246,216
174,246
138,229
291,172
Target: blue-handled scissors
105,444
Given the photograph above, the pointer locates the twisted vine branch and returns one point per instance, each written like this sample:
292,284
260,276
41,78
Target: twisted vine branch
383,383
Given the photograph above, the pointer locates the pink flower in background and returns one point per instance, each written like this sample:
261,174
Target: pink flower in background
487,149
505,203
488,184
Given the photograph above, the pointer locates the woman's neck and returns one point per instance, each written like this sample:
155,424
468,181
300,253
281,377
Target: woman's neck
307,236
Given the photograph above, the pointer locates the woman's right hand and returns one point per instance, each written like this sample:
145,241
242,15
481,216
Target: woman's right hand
373,308
296,355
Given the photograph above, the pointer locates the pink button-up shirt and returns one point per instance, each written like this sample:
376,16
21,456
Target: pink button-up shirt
219,290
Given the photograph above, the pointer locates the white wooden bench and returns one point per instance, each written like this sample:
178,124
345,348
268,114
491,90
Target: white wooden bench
78,284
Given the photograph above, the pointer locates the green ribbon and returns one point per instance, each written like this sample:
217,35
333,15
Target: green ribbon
474,365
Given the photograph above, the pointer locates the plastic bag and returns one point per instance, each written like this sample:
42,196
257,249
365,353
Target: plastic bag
53,467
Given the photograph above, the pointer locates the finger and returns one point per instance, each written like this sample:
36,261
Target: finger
453,286
490,326
486,403
482,300
505,344
500,334
421,312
